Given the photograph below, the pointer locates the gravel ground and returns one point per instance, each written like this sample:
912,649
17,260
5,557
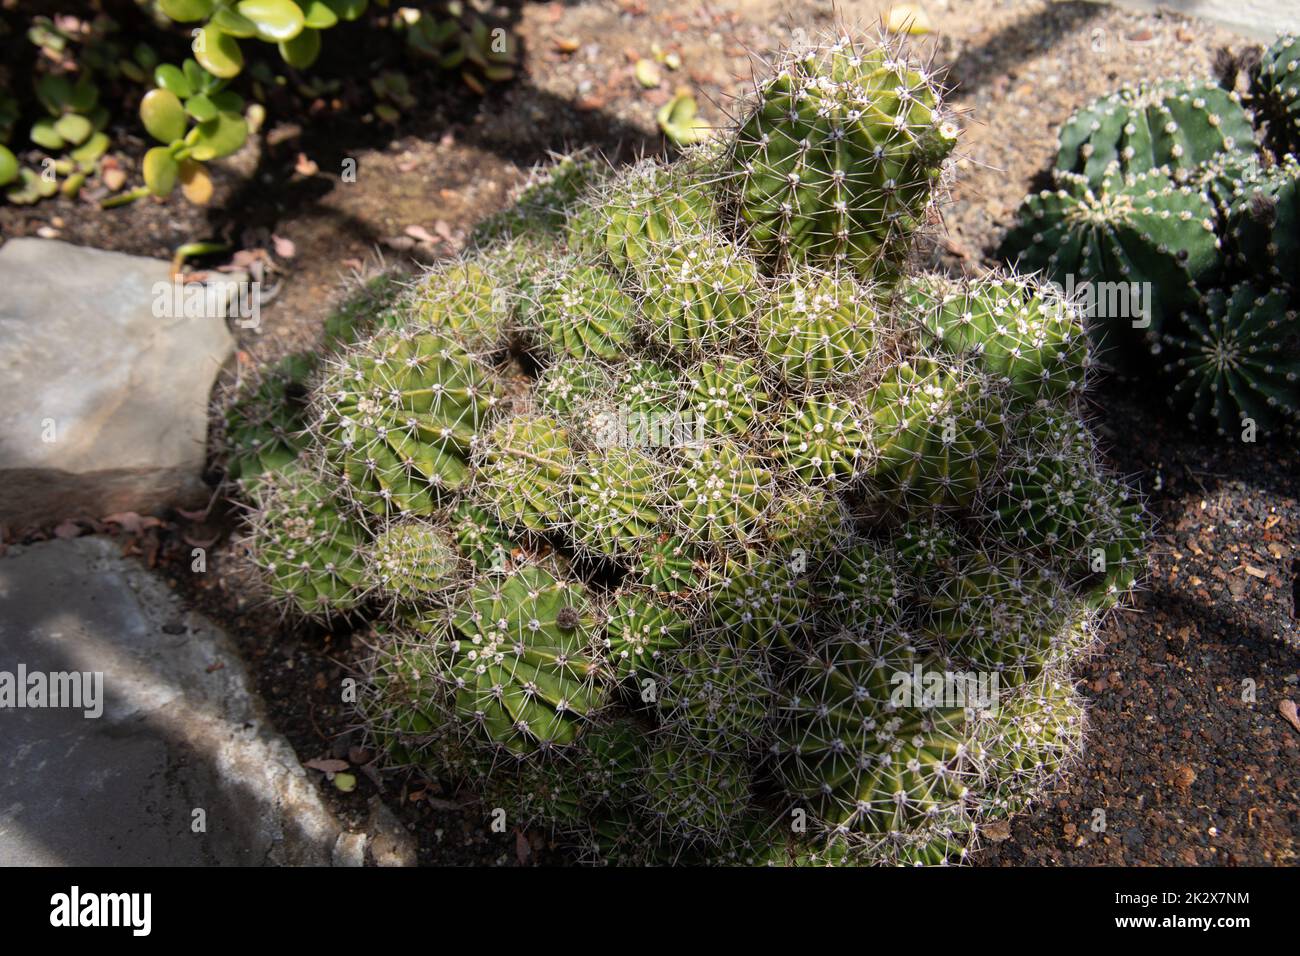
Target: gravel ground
1185,770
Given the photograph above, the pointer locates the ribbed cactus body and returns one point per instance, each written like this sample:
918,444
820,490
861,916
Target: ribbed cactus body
822,439
718,495
1147,236
307,549
524,472
819,329
698,296
413,562
521,653
861,763
465,300
1176,126
935,433
638,214
644,628
584,314
614,500
400,417
1275,92
695,794
1026,336
264,425
1235,365
839,158
718,694
479,538
726,396
1263,221
864,586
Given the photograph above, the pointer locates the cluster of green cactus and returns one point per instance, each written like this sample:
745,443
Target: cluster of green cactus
667,529
1170,215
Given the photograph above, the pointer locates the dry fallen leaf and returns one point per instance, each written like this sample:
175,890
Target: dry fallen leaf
420,234
998,832
284,248
1287,709
907,18
523,850
327,766
131,522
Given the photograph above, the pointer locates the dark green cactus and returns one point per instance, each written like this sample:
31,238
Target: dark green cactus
265,422
1262,228
1275,92
1144,236
1172,126
1236,366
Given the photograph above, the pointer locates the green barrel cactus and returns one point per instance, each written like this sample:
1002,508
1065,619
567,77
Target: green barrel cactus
307,548
413,562
863,763
1023,334
520,652
1275,92
730,522
1172,126
838,159
1236,365
400,416
1136,243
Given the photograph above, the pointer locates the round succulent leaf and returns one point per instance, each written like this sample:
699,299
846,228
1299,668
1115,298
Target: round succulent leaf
160,171
218,52
163,116
302,51
186,11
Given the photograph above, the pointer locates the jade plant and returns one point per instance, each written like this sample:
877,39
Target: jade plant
197,119
191,109
293,27
668,502
1174,215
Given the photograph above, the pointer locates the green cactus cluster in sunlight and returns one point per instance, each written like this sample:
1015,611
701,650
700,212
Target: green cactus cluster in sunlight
690,524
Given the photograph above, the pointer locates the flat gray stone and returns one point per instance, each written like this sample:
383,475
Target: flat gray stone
181,730
103,404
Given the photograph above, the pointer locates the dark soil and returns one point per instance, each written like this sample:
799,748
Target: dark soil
1185,769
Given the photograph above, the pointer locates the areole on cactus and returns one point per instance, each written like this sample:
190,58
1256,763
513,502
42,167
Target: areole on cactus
719,483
